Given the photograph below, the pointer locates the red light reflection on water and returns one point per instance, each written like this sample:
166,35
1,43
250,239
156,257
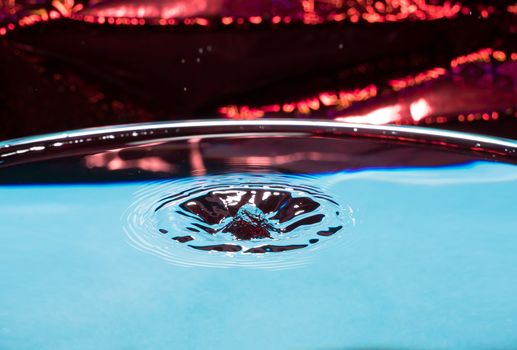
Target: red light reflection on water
284,159
111,160
196,158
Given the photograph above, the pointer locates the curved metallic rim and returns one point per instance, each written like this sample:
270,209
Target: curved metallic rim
163,130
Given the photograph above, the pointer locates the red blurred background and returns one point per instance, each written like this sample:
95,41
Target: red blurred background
449,64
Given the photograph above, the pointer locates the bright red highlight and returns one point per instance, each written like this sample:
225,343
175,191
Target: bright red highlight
384,115
420,109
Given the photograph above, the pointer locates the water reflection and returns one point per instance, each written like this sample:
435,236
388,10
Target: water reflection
195,156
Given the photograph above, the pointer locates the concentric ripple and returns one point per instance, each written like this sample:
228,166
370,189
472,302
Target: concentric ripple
250,220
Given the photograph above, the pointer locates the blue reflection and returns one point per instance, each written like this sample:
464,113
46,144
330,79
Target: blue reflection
430,263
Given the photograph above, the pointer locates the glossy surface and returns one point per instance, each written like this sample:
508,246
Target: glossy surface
309,235
428,265
240,214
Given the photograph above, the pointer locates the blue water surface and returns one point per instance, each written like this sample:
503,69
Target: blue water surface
431,263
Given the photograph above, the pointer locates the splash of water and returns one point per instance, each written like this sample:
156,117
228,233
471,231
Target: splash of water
237,220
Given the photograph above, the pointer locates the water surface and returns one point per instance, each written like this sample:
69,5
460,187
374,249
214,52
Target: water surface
426,259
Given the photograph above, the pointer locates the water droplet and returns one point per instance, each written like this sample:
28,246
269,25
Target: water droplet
240,215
